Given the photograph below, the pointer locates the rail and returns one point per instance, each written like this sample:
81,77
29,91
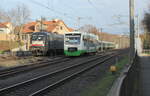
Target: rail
127,83
57,83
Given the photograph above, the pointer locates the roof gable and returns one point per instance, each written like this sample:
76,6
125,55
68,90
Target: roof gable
3,26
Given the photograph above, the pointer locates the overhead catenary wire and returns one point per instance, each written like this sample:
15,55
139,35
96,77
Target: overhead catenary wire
55,11
90,2
48,3
78,18
71,8
69,17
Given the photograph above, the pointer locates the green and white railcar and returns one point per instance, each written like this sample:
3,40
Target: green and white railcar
77,43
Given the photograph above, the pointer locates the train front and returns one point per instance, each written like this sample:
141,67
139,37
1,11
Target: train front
73,44
38,44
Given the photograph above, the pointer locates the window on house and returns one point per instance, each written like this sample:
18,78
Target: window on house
61,28
1,31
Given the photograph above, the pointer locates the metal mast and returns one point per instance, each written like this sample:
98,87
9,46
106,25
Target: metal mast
132,41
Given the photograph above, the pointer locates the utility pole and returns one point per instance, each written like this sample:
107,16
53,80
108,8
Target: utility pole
41,24
101,29
132,44
78,21
136,32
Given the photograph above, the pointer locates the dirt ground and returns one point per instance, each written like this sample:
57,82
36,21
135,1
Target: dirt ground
11,61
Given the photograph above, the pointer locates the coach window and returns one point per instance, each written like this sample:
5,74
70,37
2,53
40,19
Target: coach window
84,38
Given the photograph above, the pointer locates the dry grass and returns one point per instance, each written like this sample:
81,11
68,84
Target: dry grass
7,45
102,87
11,61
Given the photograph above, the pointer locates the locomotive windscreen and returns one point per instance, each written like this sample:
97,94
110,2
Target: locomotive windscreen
38,37
72,38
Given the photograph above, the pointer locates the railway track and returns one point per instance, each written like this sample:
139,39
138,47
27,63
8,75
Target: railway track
41,63
70,71
68,78
19,69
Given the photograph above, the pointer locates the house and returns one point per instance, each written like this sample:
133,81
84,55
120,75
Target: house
6,27
6,31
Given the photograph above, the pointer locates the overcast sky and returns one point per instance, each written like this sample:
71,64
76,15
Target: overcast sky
100,13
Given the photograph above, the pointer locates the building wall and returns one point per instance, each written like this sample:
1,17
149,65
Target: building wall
26,40
4,30
61,28
10,27
7,37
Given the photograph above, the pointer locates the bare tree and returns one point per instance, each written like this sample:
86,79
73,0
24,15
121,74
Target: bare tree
89,28
19,15
4,16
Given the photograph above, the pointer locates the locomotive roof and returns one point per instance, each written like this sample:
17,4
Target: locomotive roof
54,35
45,33
83,33
79,32
75,32
41,33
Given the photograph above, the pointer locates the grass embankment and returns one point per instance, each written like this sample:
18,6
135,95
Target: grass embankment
103,86
146,52
7,45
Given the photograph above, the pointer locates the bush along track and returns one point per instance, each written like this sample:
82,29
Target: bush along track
102,87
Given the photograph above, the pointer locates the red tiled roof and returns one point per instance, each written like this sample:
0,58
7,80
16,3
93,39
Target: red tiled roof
51,25
3,25
50,28
29,27
70,29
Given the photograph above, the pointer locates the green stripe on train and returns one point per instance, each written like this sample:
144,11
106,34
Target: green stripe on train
75,53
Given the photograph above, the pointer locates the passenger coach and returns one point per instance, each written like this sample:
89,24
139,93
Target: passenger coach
77,43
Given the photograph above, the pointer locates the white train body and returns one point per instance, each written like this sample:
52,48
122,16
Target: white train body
77,43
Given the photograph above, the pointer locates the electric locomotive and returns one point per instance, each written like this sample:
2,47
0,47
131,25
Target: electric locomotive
44,43
77,43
